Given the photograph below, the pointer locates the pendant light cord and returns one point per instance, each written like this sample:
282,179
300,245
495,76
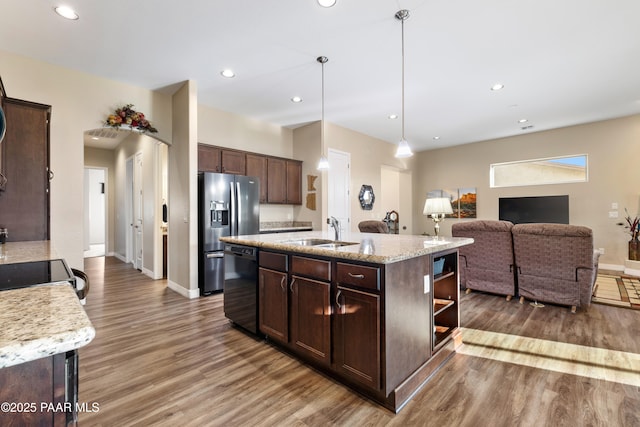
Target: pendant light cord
403,18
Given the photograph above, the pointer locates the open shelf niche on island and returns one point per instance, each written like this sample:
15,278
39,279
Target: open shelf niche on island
446,313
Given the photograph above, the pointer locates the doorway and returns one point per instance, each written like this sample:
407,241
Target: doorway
95,212
339,183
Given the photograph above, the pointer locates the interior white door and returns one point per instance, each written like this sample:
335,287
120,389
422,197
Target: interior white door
137,210
339,182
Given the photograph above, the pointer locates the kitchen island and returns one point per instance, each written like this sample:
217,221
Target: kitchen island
380,313
42,328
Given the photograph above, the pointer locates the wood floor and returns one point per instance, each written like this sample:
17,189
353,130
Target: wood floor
161,359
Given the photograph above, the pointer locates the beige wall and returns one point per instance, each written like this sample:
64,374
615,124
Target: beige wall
613,147
79,102
217,127
183,200
100,158
368,156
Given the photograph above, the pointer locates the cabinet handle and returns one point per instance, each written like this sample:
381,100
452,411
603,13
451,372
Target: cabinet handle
291,285
338,299
282,283
356,276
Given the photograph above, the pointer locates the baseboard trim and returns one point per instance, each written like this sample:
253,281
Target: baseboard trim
187,293
120,257
614,267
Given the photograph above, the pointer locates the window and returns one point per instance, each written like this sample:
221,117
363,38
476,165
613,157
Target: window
552,170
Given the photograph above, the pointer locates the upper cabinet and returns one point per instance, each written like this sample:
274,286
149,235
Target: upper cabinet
284,178
257,166
216,159
280,179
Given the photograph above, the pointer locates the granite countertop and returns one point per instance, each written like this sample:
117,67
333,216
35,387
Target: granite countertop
14,252
282,226
368,247
41,321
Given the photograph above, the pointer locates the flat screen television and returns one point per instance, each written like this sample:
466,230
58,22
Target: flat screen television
522,210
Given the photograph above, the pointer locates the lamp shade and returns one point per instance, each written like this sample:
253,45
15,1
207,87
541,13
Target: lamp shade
437,205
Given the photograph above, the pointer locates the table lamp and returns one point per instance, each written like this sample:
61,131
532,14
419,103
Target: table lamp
437,208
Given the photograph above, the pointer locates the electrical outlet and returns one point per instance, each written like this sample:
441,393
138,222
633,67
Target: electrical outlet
613,214
427,284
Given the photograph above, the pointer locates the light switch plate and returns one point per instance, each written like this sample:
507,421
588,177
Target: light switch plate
427,284
613,214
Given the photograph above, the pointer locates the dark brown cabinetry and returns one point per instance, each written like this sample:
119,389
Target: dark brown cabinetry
257,166
285,181
383,329
280,179
37,389
294,182
357,336
25,162
273,308
215,159
311,308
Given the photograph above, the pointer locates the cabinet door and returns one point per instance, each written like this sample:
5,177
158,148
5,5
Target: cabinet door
24,204
294,182
208,158
257,166
273,312
276,180
310,318
357,336
233,162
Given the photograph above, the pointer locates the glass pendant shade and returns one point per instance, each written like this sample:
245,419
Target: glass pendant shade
323,164
403,150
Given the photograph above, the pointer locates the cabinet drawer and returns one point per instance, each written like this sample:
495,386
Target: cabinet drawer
273,261
309,267
358,275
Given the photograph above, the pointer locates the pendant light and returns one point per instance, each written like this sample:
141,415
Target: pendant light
403,150
323,164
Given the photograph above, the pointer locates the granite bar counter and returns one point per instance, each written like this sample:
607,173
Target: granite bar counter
367,247
14,252
41,321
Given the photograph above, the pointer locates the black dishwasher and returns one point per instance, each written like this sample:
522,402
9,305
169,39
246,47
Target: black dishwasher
241,286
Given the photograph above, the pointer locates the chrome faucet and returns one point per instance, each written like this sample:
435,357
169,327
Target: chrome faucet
333,222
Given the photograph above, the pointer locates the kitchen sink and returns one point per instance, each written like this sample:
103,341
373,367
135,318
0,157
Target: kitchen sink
318,243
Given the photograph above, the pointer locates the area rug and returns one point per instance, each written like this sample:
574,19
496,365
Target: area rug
621,291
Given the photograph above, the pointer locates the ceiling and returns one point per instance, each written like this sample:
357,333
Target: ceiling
561,62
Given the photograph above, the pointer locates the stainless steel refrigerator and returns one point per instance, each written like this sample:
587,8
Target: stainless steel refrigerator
228,205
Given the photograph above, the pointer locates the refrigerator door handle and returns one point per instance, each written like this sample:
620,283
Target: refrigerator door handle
239,205
234,209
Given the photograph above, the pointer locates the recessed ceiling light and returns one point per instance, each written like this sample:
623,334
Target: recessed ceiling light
523,121
393,116
497,86
326,3
228,73
436,138
296,99
66,12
